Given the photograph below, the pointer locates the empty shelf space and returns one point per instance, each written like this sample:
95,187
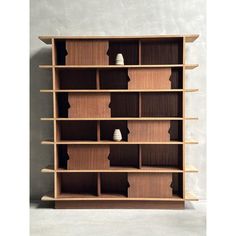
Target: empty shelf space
105,105
162,51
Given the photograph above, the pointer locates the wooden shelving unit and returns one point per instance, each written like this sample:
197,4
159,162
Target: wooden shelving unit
145,99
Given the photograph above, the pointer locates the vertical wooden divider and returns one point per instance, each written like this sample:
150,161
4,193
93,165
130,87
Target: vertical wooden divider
97,79
56,187
139,156
98,184
98,131
139,53
183,121
139,105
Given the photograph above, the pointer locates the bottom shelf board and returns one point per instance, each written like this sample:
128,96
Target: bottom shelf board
144,169
115,197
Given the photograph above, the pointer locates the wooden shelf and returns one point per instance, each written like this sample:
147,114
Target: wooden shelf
116,90
121,118
114,197
50,169
107,197
144,99
115,143
189,38
186,66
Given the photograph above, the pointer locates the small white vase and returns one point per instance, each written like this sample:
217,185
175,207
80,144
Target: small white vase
117,135
119,59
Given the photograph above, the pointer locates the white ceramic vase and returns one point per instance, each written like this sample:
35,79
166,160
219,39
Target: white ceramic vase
119,59
117,135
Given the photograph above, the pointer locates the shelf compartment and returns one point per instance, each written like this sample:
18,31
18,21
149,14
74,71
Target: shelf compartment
155,78
105,105
123,156
157,156
162,51
154,131
107,129
81,52
80,79
114,183
77,130
89,105
87,157
124,105
149,185
73,184
154,185
128,48
161,104
113,79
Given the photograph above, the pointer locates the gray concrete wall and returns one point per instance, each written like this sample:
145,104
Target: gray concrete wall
115,17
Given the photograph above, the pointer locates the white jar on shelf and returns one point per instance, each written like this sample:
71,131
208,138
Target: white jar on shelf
117,135
119,59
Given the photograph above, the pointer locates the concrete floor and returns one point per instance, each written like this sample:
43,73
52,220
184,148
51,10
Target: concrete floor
46,221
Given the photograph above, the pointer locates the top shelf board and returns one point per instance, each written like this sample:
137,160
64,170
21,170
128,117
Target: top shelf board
188,38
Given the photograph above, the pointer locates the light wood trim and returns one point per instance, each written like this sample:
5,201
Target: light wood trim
184,123
50,169
116,143
121,118
187,66
191,169
54,114
189,37
190,197
115,90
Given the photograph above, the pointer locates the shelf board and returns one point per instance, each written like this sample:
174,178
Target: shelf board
121,118
115,90
113,197
189,38
187,66
114,142
145,169
107,197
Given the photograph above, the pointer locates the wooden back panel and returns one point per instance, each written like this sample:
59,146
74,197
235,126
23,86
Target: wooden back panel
79,183
162,155
88,157
83,105
149,78
161,104
148,131
162,51
150,185
116,183
87,52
